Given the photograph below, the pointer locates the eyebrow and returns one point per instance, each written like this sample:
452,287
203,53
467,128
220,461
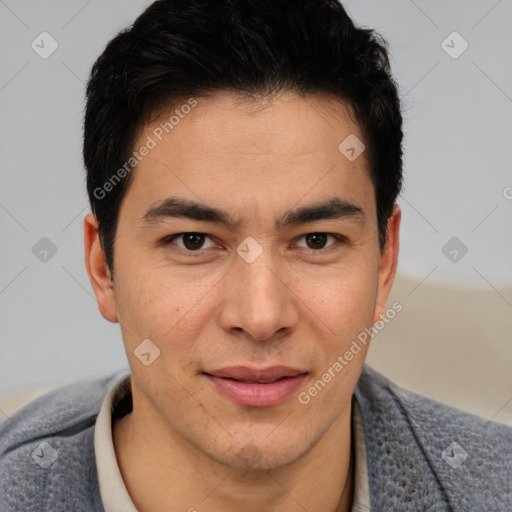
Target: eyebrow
175,207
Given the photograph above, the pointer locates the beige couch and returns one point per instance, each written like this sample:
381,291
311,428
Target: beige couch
451,344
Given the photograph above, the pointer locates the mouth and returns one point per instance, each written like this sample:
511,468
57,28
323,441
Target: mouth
257,387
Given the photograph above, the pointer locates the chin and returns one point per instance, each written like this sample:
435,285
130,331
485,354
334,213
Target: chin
261,455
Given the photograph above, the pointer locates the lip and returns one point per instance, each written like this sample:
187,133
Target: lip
238,383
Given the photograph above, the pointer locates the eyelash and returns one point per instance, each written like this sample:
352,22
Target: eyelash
340,239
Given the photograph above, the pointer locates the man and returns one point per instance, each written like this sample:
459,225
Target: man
243,163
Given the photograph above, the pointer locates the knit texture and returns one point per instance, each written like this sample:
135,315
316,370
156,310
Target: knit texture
406,435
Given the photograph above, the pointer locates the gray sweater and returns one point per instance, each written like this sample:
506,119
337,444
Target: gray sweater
422,456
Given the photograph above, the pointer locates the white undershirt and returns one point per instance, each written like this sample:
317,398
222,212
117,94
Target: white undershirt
113,491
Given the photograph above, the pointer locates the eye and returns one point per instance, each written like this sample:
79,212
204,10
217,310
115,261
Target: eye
191,241
194,242
317,241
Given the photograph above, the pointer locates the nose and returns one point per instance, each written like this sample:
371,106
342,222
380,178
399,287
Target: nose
262,298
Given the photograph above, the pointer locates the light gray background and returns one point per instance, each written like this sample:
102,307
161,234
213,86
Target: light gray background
458,134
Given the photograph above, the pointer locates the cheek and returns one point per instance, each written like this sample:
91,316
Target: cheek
160,303
347,310
342,298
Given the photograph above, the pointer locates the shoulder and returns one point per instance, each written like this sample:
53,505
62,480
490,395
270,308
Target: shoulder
47,450
460,458
428,414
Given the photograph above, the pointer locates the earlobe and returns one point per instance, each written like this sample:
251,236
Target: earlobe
97,269
388,264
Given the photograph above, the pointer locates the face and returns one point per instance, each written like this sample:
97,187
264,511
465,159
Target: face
278,292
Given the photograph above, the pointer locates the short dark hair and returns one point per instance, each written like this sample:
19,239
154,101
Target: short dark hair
177,49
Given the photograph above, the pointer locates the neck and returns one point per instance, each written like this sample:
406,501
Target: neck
158,472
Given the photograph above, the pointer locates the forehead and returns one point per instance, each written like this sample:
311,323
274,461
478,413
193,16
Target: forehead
287,124
231,152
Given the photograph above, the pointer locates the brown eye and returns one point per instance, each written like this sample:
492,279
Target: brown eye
316,240
191,241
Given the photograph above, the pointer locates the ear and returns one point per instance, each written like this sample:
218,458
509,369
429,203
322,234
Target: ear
99,274
388,263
